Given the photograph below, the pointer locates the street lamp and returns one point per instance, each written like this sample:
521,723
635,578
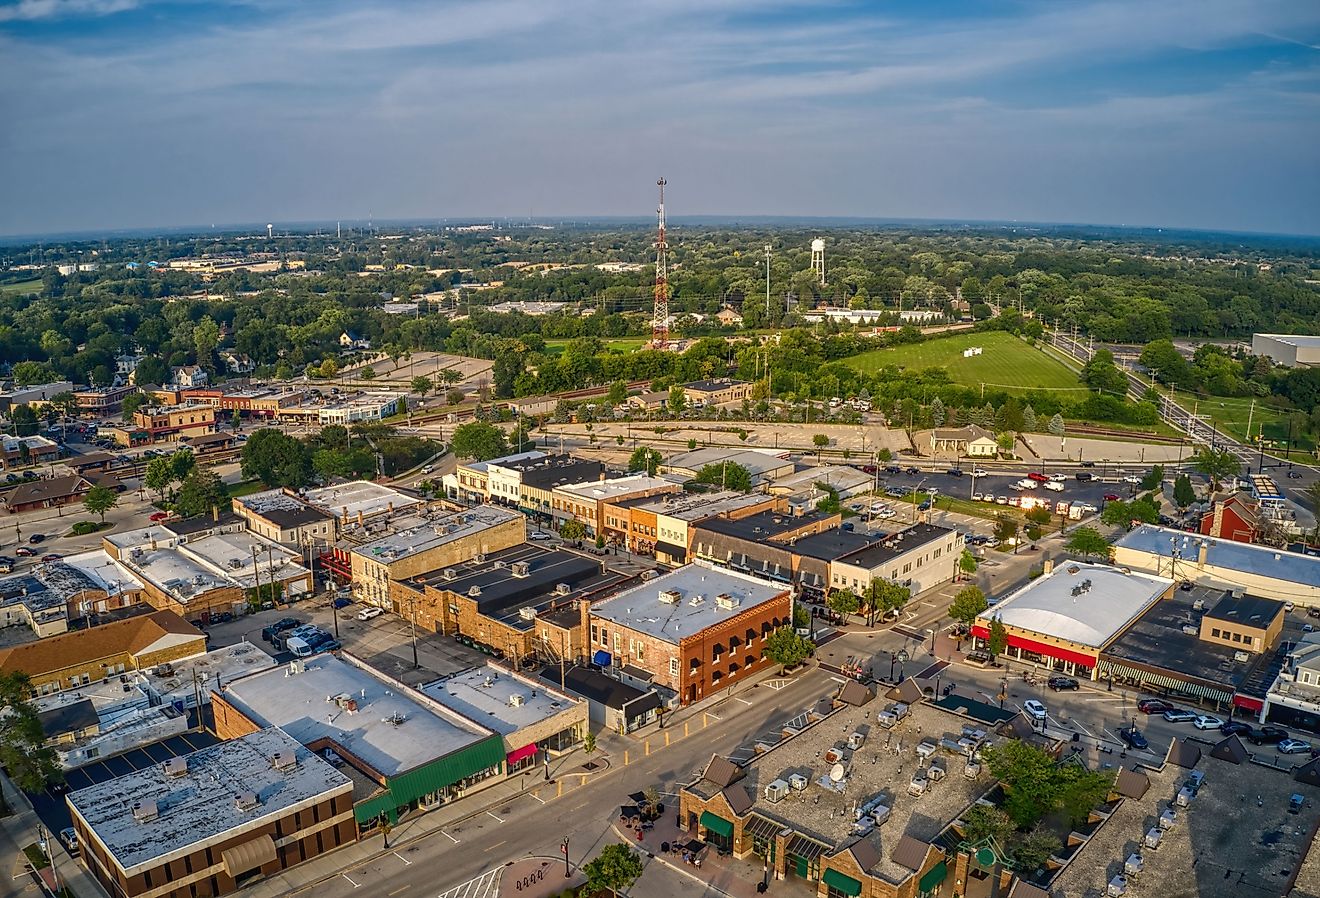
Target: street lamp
916,489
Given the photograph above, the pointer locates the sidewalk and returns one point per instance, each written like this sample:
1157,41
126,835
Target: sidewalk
21,828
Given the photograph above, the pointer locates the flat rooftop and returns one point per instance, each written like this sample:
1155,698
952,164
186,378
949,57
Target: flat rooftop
282,509
1083,603
394,729
756,462
348,500
487,695
882,767
1293,339
1249,610
1261,561
201,805
698,506
483,466
840,477
837,543
1235,839
763,526
898,543
604,490
642,609
213,669
439,531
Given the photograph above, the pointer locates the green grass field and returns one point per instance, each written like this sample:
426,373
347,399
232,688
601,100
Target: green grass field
1231,415
32,286
619,344
1007,363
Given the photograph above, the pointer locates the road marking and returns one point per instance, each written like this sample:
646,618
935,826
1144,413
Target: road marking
585,803
449,837
713,714
838,679
497,819
496,845
744,701
406,862
537,797
356,885
400,890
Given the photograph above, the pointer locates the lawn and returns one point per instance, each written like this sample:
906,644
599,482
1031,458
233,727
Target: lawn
1231,416
1006,363
32,286
619,344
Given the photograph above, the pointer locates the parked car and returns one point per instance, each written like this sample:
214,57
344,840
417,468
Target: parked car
977,497
1001,500
539,535
37,538
333,645
1132,478
1061,684
342,602
1111,497
24,552
1084,476
159,516
980,472
369,612
1179,715
51,556
1268,735
1236,728
1034,709
1133,738
1154,706
913,472
6,564
1038,477
69,837
1294,475
1207,722
924,506
1293,747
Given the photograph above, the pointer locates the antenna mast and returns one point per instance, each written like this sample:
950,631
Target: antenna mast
660,317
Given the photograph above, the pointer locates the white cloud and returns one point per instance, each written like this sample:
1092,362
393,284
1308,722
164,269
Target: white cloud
32,10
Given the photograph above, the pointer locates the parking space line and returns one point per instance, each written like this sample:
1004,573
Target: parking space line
496,845
744,701
406,862
449,837
356,885
497,819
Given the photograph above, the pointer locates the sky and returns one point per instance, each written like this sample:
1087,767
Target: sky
1174,113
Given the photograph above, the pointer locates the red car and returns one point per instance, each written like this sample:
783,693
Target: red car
1111,497
159,516
24,552
1153,706
1038,477
53,556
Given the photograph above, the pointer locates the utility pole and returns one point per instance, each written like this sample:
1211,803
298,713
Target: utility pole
767,281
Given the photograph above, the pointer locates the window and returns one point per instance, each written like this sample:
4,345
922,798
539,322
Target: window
595,633
1214,631
1237,637
673,667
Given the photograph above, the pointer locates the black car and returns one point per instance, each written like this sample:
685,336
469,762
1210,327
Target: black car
37,538
288,623
1294,475
954,472
893,469
1132,737
1087,464
1062,684
1084,475
1267,735
913,471
1236,727
1153,706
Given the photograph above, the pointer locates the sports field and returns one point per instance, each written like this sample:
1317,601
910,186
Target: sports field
617,344
1005,363
32,286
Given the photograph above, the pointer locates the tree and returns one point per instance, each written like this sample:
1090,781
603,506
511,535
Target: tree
25,374
1216,464
1056,425
884,456
728,475
1165,362
276,459
573,531
1184,495
1153,478
1032,851
677,399
968,605
479,441
1120,513
132,402
422,385
151,370
820,441
159,475
937,412
1038,515
998,640
182,463
454,397
202,491
589,743
1103,376
367,373
843,601
1006,530
1006,441
645,458
1087,541
99,500
967,562
786,648
616,868
618,393
885,597
31,764
205,338
983,821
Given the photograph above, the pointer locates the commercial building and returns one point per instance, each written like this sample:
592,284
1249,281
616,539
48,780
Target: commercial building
691,631
611,703
664,524
1293,699
919,557
1236,518
285,517
761,544
248,401
366,407
99,402
213,821
840,806
470,481
762,466
1289,350
1226,564
79,657
362,502
586,502
165,423
534,721
51,492
717,391
35,394
846,481
498,602
972,441
529,483
413,752
443,540
22,452
51,594
1067,617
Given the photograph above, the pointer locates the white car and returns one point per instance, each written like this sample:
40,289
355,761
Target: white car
1054,486
1034,709
539,535
877,507
1207,722
1016,487
1059,478
980,472
369,613
428,469
978,497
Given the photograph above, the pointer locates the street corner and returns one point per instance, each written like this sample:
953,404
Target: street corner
537,877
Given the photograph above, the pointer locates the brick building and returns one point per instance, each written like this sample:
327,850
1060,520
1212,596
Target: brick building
586,502
1236,518
50,492
665,523
101,402
285,517
166,423
762,544
214,821
717,391
690,631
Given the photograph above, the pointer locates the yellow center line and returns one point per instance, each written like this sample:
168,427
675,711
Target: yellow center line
397,891
496,845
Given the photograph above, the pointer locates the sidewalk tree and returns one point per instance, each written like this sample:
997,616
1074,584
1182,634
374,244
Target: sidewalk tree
479,441
99,500
589,743
1183,494
645,458
820,441
159,475
1006,529
786,648
616,868
31,764
884,456
886,597
202,491
1086,542
998,640
1038,515
1217,465
1153,478
421,385
967,563
843,601
969,604
573,531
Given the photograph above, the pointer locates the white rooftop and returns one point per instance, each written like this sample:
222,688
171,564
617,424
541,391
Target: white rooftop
104,571
482,466
359,497
699,605
756,461
188,569
614,487
1088,604
437,531
394,729
1294,339
201,805
486,695
698,506
212,669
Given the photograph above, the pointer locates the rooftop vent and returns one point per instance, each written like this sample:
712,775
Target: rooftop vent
175,767
145,811
246,801
697,601
284,760
474,591
516,700
527,613
450,574
670,596
562,589
726,602
520,569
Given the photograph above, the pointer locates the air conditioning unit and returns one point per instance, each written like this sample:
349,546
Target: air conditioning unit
1190,630
474,591
176,767
856,740
284,760
562,589
516,700
697,601
527,613
520,569
648,576
145,811
246,801
797,782
499,565
726,602
1241,657
776,791
450,574
670,596
480,557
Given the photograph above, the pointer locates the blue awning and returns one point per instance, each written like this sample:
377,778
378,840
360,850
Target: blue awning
601,658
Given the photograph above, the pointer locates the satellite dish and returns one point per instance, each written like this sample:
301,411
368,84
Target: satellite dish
836,773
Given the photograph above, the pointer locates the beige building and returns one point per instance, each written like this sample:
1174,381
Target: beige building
919,557
284,517
586,502
972,441
717,391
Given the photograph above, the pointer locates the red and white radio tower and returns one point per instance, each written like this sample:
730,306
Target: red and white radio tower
660,318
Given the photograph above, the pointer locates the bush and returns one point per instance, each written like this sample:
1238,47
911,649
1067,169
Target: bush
83,528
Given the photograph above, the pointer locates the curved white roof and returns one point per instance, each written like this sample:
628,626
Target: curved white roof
1106,602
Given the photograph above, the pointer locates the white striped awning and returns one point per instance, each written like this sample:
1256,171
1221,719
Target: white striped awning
1108,669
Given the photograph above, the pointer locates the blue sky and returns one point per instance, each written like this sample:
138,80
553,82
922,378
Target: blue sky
1177,113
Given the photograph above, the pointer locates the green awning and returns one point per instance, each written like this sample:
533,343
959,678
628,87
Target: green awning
934,876
843,883
717,824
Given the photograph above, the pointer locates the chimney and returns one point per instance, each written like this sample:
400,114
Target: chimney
1200,555
343,513
1047,567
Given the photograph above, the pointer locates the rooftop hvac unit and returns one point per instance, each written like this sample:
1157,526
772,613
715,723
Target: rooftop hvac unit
235,563
527,613
562,589
697,601
474,591
520,569
1241,657
856,740
284,760
776,791
480,557
499,565
1153,837
450,574
797,782
1237,593
670,596
648,576
246,801
1168,817
516,700
725,602
1132,866
1198,605
1190,630
145,811
175,767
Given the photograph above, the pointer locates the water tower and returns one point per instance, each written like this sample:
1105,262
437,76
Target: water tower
270,231
818,258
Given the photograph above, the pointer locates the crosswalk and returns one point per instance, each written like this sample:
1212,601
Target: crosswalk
487,885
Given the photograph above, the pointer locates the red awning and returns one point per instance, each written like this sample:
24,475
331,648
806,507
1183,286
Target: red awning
519,754
1247,703
1041,648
